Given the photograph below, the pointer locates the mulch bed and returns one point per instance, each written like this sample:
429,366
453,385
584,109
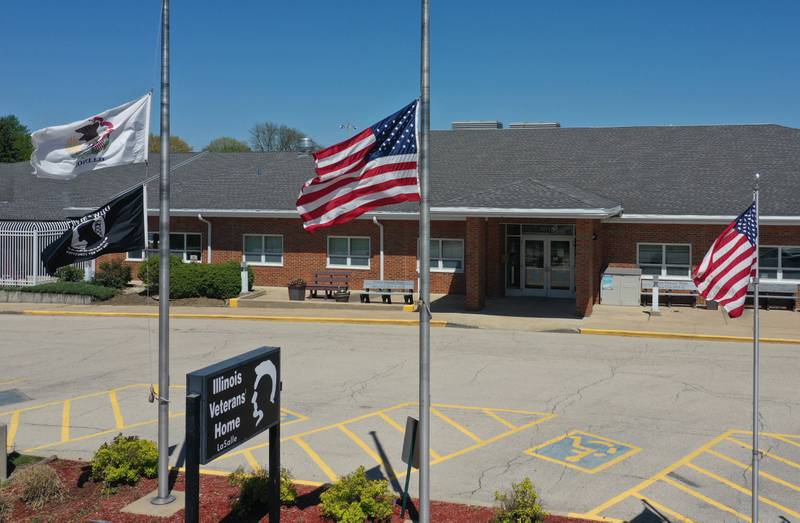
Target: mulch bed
141,299
85,501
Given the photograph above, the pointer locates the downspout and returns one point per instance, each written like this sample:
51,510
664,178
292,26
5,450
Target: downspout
200,217
379,224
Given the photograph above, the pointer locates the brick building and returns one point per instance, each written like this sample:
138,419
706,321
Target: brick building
515,212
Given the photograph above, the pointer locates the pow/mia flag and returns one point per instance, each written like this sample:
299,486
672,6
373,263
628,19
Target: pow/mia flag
118,226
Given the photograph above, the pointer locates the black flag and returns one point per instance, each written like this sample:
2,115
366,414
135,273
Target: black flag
118,226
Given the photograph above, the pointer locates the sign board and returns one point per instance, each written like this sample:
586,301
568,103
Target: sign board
607,282
239,399
411,435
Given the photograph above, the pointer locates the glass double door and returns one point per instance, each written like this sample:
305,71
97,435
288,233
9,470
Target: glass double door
547,267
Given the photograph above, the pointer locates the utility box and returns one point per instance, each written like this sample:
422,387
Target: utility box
621,286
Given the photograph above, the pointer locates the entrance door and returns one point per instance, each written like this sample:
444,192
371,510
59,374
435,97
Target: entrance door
548,266
534,280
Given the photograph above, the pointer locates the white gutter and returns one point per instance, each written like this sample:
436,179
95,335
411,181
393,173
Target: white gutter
529,213
380,225
200,217
697,218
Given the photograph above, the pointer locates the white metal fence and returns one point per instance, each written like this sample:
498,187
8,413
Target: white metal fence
21,246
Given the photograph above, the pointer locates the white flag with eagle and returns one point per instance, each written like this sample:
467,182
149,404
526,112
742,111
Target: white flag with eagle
117,136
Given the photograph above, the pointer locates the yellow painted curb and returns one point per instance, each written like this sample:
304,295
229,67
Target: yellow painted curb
291,319
233,303
408,308
684,336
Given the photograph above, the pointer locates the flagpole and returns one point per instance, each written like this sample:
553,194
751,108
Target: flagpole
424,273
146,227
163,497
756,357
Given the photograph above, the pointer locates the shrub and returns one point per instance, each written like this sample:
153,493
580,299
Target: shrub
520,505
254,490
124,461
192,280
6,506
38,484
113,274
355,498
97,292
69,273
222,280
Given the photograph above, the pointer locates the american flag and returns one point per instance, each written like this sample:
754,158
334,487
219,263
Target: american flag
725,272
376,167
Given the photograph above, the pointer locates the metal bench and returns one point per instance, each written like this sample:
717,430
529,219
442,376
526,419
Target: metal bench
386,288
783,292
671,289
329,282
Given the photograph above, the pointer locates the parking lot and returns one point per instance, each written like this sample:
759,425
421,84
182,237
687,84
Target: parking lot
605,427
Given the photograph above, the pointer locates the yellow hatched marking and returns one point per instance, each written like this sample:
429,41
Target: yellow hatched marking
766,453
65,414
119,421
317,459
9,382
251,460
666,510
782,438
393,423
461,428
76,398
701,497
741,489
13,425
361,443
498,418
761,473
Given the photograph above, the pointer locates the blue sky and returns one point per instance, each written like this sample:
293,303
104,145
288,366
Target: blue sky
317,64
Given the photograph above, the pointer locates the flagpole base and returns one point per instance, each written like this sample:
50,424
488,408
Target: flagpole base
162,501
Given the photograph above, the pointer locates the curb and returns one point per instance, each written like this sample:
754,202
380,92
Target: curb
290,319
684,336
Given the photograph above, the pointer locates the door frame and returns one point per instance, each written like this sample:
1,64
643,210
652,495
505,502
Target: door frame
547,291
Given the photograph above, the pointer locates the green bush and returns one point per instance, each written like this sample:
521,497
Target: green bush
113,274
97,292
355,498
124,461
520,505
254,490
69,273
193,280
38,485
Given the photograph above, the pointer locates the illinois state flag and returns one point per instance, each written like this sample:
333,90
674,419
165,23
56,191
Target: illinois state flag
117,136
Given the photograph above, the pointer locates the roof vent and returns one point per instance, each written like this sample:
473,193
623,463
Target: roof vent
534,125
473,125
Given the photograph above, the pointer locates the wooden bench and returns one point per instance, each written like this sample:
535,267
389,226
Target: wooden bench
783,292
670,289
386,288
329,282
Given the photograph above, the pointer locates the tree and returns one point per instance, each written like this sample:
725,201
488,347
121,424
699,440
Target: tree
15,140
176,144
226,144
271,137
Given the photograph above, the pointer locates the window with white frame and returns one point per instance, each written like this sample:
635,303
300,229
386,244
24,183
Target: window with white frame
263,249
779,262
447,255
348,251
659,259
185,245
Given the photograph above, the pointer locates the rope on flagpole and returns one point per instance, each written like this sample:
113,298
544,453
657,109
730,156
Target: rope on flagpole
756,357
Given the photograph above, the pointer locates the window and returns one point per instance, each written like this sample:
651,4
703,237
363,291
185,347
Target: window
263,249
352,252
447,255
185,245
656,259
779,263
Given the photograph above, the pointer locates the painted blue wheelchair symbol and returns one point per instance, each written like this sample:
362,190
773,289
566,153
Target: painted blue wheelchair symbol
583,451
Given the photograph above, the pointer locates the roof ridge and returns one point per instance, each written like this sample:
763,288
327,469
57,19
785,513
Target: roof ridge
572,194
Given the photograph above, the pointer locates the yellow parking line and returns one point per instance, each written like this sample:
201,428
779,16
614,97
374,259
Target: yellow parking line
251,460
76,398
456,425
666,510
745,466
317,459
498,418
782,438
469,407
65,413
766,453
741,489
13,425
393,423
361,443
701,497
118,420
9,382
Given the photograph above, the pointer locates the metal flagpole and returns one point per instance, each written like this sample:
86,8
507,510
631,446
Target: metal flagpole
756,356
146,234
163,497
424,273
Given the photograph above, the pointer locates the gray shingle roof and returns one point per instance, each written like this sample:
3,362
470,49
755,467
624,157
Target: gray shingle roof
698,170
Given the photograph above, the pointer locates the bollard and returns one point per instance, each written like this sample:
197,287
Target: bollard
245,278
3,452
654,309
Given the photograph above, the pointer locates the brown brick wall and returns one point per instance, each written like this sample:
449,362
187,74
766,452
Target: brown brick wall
475,263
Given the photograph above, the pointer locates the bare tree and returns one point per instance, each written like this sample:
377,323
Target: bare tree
271,137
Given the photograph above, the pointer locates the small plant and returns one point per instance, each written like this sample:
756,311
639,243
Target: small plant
297,282
355,498
38,485
69,273
124,461
520,505
114,274
254,490
6,506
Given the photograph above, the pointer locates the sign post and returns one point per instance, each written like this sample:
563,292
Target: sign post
227,404
410,456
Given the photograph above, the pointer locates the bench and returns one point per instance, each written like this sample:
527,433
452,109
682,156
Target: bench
329,282
386,288
784,292
670,289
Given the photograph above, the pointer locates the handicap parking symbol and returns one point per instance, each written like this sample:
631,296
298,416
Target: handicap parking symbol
583,451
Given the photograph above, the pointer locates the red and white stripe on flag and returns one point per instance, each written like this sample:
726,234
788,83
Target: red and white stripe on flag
724,275
374,168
